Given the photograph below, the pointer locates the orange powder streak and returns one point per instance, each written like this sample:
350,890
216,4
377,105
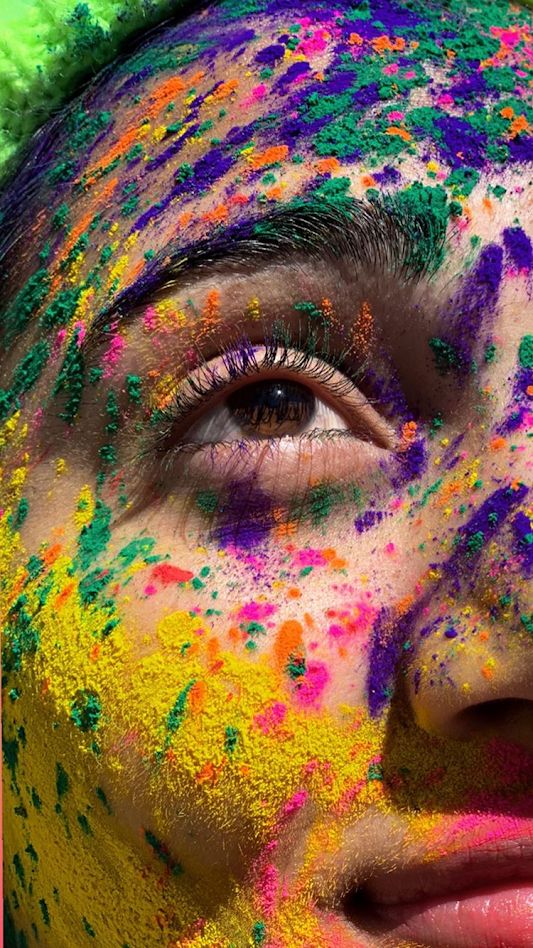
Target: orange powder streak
288,641
158,99
363,330
270,156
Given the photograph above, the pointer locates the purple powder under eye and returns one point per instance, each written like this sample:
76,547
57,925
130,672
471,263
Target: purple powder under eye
518,248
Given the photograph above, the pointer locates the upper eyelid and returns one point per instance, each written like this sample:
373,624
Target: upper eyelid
345,388
363,233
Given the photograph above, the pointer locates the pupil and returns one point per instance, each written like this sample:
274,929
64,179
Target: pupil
272,408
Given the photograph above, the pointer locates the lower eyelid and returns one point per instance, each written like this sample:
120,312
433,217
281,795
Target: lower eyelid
283,467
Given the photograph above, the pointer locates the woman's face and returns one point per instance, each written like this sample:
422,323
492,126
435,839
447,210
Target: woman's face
267,630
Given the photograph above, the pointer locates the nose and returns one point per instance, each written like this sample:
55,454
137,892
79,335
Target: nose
471,671
474,690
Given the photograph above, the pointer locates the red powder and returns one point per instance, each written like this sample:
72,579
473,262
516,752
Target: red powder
166,574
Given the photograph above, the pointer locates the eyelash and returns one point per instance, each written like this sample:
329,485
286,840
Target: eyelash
307,355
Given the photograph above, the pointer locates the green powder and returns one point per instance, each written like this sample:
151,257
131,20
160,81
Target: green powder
44,912
88,928
86,710
177,713
94,536
21,514
25,376
84,824
259,933
525,352
445,355
62,780
133,387
70,379
61,309
27,302
60,217
231,736
19,870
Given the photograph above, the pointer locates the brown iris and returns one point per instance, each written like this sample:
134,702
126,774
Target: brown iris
272,408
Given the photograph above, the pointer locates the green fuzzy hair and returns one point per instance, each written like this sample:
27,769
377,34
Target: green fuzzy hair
49,47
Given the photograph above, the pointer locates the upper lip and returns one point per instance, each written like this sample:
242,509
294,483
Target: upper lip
504,862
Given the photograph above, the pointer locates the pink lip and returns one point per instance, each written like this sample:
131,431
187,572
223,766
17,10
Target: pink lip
468,900
500,917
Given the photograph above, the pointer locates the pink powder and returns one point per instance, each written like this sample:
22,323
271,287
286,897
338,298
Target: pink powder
310,557
348,797
356,623
510,37
268,884
150,318
58,342
314,44
390,70
256,611
295,803
81,331
396,116
150,590
445,100
308,690
257,93
477,829
271,717
112,355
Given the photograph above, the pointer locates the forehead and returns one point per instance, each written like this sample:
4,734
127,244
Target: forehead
229,113
375,83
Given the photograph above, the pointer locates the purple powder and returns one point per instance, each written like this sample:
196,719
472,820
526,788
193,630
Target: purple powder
270,55
230,41
389,175
473,87
368,520
524,542
388,637
518,248
294,71
245,518
411,464
521,149
477,299
460,143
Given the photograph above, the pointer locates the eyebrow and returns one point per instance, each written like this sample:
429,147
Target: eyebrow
383,235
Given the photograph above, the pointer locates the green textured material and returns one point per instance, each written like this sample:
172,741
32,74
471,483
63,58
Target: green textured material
48,47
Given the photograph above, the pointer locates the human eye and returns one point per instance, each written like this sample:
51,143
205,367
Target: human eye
268,392
284,406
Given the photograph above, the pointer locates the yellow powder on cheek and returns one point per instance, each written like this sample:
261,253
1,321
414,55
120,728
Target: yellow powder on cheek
224,744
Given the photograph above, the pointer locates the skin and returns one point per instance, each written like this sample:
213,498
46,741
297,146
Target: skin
232,739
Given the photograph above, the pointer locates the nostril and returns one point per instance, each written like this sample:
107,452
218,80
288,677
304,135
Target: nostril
357,907
505,717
